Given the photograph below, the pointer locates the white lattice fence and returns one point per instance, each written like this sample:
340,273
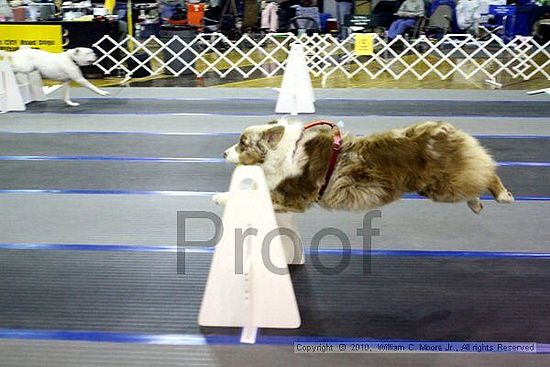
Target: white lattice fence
522,58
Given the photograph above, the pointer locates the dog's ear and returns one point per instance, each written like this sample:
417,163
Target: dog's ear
72,52
274,135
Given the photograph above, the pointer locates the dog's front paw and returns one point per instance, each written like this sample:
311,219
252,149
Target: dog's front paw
104,93
221,198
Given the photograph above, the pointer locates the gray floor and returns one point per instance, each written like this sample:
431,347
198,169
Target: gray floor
146,219
150,220
142,293
332,107
271,93
201,177
203,146
189,124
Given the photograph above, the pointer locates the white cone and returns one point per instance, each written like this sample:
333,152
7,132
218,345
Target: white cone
296,94
10,97
242,289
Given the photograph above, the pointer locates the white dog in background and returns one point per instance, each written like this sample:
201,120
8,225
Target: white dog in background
57,66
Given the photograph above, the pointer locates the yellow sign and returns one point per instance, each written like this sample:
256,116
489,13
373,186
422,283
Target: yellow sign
364,44
44,37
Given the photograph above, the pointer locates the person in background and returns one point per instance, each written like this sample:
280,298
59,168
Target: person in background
343,8
408,12
468,15
270,18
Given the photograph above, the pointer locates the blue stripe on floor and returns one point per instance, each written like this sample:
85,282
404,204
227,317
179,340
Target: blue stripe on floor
523,164
110,159
308,251
212,99
504,136
107,337
106,192
181,160
96,132
487,197
198,340
196,193
130,113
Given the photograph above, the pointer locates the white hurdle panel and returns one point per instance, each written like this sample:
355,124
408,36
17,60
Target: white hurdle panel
18,90
10,96
249,284
31,87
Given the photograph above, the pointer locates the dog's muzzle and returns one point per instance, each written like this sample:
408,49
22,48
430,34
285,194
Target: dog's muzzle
231,155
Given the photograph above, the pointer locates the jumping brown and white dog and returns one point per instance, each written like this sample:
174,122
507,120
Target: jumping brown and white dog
433,159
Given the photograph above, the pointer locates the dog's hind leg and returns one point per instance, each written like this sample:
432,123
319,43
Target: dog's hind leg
500,193
67,94
83,82
476,205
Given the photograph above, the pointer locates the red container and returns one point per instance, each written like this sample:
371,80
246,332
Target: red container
19,13
332,25
195,14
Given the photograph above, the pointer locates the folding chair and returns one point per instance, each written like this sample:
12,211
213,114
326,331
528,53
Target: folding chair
382,13
441,19
498,20
301,25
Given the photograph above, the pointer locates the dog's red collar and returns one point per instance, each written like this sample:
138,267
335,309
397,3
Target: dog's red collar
336,147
